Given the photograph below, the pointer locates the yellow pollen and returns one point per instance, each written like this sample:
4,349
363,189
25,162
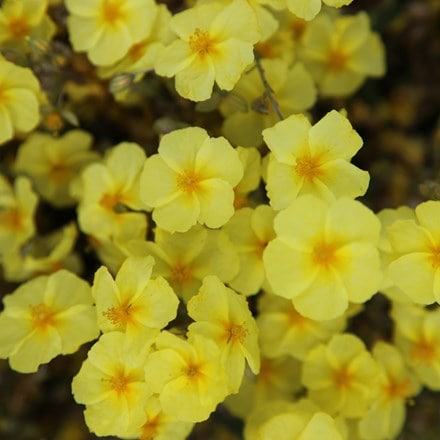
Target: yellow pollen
120,382
181,274
42,316
188,181
150,428
137,51
308,167
111,12
336,60
59,172
193,371
342,378
235,333
397,390
19,28
424,351
119,315
111,201
12,219
201,43
53,122
324,255
435,257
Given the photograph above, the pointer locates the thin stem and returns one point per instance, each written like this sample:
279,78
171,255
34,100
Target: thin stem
267,89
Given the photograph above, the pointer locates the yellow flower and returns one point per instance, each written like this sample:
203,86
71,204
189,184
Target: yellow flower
17,209
142,55
283,331
158,425
45,317
214,45
133,302
250,230
308,9
324,256
417,336
386,416
19,106
308,159
416,268
191,180
109,190
224,316
184,259
106,29
278,379
43,255
53,162
188,375
111,384
247,109
387,217
341,53
23,22
341,376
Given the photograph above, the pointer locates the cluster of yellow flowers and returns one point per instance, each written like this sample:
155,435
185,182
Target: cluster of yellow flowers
186,235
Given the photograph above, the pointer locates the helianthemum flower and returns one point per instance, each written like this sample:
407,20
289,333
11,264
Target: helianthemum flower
224,316
341,376
133,303
184,259
324,256
53,162
17,209
106,29
19,106
308,159
188,375
191,180
213,46
45,317
111,384
341,53
416,268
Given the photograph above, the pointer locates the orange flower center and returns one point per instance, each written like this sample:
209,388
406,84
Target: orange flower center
201,43
150,428
295,319
12,219
266,371
235,333
137,51
188,181
424,351
397,390
324,255
435,257
342,378
308,167
120,382
19,28
111,12
193,371
60,172
337,60
42,316
111,202
181,273
298,26
120,315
